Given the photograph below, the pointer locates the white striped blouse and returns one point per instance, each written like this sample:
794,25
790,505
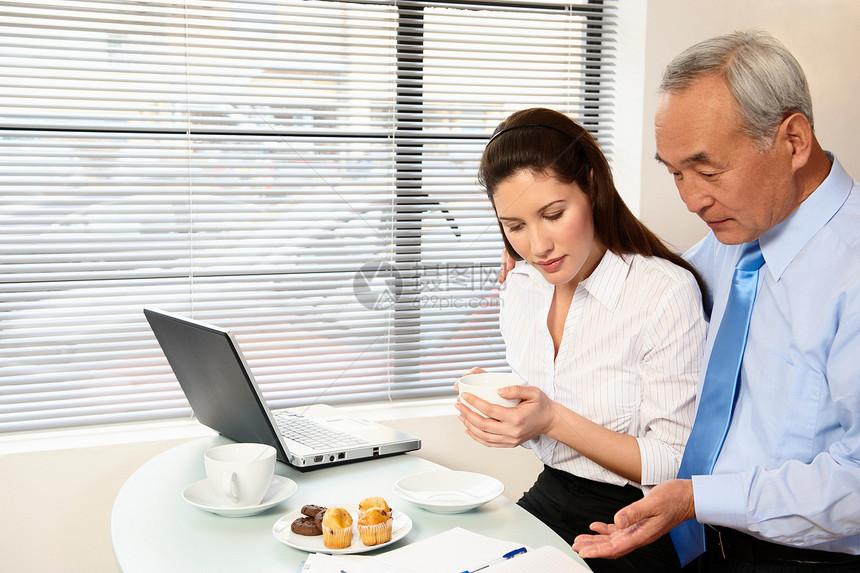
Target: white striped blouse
629,357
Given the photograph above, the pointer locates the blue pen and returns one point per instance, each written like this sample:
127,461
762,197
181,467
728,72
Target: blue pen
504,557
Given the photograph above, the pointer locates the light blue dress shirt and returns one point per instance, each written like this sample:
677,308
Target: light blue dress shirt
789,470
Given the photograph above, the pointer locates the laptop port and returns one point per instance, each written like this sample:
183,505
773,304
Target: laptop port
376,451
341,456
318,459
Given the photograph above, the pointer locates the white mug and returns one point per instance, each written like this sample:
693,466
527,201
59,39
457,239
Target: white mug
486,385
240,474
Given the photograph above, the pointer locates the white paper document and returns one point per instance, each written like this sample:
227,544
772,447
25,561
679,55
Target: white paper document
459,550
324,563
540,560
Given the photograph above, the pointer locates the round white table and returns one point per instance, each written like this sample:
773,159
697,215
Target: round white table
154,529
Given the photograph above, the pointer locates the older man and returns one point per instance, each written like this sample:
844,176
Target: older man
770,479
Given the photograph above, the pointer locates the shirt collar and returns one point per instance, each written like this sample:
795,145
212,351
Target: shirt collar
605,284
781,244
607,281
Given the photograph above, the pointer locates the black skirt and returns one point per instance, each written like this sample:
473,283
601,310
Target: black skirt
569,504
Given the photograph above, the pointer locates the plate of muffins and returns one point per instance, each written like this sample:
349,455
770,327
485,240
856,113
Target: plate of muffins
343,528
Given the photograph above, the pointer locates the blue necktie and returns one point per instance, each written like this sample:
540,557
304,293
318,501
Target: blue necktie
719,391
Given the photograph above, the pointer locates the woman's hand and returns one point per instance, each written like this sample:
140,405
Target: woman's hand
508,427
474,370
537,415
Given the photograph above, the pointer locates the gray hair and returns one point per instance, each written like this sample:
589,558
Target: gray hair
765,80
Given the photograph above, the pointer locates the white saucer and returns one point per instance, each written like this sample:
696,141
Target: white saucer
314,543
201,494
448,491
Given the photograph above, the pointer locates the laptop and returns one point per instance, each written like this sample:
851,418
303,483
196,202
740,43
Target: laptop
223,394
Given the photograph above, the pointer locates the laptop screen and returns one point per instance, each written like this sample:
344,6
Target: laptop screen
209,367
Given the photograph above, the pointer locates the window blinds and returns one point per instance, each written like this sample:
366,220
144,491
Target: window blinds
301,172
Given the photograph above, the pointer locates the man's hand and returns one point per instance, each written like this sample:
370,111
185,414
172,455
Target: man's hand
641,522
508,263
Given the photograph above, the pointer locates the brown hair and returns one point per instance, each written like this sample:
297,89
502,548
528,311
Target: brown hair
548,143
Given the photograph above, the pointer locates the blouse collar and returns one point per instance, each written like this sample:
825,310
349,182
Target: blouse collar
605,283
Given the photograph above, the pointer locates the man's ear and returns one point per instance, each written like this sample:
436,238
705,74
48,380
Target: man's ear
799,135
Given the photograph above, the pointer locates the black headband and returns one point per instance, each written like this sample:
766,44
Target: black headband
513,127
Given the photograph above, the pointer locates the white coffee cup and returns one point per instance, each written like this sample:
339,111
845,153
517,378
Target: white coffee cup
486,385
241,473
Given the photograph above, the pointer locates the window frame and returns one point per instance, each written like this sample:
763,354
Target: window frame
409,170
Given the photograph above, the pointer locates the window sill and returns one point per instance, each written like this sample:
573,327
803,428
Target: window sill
106,435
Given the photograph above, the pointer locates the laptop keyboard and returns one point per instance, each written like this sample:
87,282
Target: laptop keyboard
307,432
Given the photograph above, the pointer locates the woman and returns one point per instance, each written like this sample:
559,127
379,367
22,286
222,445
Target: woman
603,321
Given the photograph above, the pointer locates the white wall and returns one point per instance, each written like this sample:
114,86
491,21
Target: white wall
56,505
822,35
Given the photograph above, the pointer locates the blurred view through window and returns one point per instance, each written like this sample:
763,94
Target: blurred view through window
300,172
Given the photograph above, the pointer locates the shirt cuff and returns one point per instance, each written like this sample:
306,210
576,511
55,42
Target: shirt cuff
660,462
720,500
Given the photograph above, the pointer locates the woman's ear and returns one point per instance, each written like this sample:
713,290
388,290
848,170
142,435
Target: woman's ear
591,193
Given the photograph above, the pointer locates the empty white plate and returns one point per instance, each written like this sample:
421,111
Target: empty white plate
448,491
